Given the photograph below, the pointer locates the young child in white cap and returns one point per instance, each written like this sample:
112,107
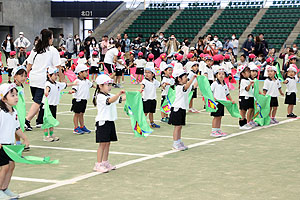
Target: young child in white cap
166,82
291,90
272,87
105,126
81,93
9,125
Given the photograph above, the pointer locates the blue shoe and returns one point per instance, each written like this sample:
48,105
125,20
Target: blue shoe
78,131
153,125
85,130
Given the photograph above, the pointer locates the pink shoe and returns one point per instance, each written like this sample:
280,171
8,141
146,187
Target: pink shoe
215,134
100,168
108,166
222,133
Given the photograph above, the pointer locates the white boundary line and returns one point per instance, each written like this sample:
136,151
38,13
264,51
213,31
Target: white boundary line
130,162
34,180
89,151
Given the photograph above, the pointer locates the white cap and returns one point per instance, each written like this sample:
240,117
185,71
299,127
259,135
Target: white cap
253,67
150,68
52,70
192,48
5,88
80,68
21,33
164,67
15,70
219,69
241,68
103,79
293,68
269,67
178,72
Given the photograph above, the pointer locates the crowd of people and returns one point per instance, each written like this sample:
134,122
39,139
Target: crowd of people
156,62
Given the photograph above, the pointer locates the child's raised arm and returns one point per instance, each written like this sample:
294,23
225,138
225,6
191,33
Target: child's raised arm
116,97
189,83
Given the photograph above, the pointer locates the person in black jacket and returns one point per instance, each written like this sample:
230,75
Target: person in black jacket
8,45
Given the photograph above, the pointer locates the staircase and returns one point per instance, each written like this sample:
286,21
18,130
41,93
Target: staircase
251,26
169,22
293,35
207,26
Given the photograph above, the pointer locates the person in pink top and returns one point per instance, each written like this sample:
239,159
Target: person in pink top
104,45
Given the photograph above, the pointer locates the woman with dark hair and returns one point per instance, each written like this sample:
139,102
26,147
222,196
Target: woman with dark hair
200,45
8,45
258,46
42,56
248,45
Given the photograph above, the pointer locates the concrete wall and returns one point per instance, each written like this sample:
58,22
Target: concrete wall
30,17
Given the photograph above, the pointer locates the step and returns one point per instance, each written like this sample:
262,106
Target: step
293,35
169,22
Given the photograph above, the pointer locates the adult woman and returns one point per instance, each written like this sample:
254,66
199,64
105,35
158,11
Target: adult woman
200,45
43,56
8,45
248,45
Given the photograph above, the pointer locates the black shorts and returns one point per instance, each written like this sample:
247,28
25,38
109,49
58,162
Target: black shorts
149,106
109,67
94,70
139,70
274,102
177,118
210,82
290,99
78,106
162,100
106,132
194,93
9,71
53,110
220,111
4,158
37,94
119,72
246,104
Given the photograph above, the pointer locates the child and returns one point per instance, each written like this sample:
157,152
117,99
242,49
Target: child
179,106
148,90
94,61
177,63
81,59
105,126
163,64
246,99
9,125
119,70
166,82
291,90
253,75
25,63
52,92
208,71
190,62
12,63
227,64
202,63
140,64
63,61
220,92
20,74
81,95
194,72
272,87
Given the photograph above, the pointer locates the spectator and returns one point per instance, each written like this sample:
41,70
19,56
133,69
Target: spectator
155,47
70,48
62,40
258,46
111,43
218,43
161,37
200,45
272,54
94,46
227,45
121,41
248,45
185,49
235,44
297,53
136,45
126,46
21,44
78,46
172,45
210,49
8,45
264,43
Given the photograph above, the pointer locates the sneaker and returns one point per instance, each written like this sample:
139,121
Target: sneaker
120,86
185,147
4,196
11,194
100,168
108,166
215,134
78,131
245,127
26,149
153,125
48,139
54,137
192,110
253,124
38,125
85,130
292,115
275,121
178,147
222,133
116,86
164,119
27,125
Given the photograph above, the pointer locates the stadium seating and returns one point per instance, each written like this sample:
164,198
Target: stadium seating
297,41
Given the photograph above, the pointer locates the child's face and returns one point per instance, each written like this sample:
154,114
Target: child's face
220,76
246,73
242,58
11,98
106,88
253,74
149,75
53,76
20,78
168,71
195,68
209,62
291,74
183,79
293,61
84,74
271,73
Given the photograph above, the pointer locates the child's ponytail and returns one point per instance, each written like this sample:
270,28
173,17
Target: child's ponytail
97,91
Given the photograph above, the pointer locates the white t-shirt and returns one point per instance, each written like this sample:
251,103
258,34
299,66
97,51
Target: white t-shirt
81,61
163,65
9,124
110,54
63,62
210,73
149,64
140,63
272,87
243,92
181,98
177,66
12,63
40,63
94,62
291,85
171,82
191,75
54,92
106,111
120,66
227,66
82,89
150,87
189,64
220,91
202,66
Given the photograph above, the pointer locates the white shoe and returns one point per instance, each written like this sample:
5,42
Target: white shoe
48,139
245,127
178,147
100,168
11,194
4,196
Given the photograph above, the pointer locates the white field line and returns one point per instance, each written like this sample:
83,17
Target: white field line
151,135
34,180
130,162
89,151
